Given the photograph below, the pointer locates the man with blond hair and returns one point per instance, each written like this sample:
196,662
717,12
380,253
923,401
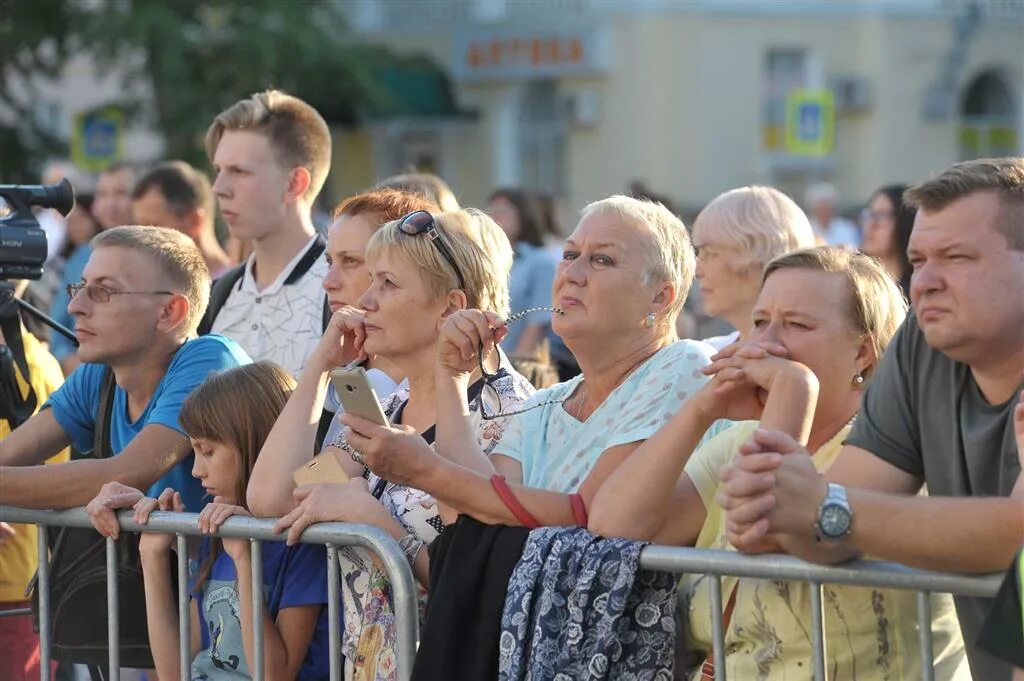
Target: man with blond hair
271,153
939,412
136,309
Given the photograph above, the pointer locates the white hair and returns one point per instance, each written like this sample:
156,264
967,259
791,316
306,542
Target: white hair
761,223
668,254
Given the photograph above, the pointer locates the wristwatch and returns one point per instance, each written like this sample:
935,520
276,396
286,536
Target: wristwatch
835,517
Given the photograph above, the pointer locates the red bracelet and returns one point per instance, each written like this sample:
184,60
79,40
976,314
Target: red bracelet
579,509
505,494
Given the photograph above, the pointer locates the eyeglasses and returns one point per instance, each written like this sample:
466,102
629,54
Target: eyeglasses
98,293
421,222
490,378
868,215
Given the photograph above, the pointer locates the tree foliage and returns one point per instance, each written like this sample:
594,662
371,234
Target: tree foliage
184,61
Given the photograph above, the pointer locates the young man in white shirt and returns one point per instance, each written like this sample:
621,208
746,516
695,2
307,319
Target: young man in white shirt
271,153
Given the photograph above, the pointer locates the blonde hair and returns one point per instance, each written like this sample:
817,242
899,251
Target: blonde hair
760,222
237,408
426,185
1004,177
668,253
297,133
876,307
175,255
478,246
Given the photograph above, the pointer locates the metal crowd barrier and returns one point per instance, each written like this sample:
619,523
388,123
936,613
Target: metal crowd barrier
781,567
332,535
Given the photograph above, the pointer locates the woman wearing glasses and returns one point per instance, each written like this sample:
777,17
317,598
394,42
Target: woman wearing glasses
423,269
621,282
887,223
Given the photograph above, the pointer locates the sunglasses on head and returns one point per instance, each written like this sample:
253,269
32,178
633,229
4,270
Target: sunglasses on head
422,222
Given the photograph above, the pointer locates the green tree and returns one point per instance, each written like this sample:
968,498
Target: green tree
182,62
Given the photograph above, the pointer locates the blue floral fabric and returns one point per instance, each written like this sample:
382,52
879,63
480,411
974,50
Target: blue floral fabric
579,609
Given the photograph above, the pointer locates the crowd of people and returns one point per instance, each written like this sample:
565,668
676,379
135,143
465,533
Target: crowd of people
543,417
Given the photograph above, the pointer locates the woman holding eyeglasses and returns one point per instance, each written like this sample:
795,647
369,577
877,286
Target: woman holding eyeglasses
620,285
423,269
887,223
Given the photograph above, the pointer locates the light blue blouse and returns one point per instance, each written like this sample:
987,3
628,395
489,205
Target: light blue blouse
557,451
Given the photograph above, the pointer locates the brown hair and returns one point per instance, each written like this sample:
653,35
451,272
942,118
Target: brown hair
1003,177
175,255
183,187
237,408
876,306
385,204
297,133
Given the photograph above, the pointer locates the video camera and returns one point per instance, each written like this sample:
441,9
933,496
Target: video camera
22,240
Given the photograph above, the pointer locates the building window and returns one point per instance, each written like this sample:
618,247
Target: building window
542,138
988,125
785,70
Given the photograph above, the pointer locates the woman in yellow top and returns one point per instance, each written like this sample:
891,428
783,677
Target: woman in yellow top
822,320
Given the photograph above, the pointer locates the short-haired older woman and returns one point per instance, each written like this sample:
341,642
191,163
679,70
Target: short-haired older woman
356,219
622,280
423,268
887,223
822,320
736,235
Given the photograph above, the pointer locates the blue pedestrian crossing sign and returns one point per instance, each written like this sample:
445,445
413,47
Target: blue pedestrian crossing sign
810,122
97,137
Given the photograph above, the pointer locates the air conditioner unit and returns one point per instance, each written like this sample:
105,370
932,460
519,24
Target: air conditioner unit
851,93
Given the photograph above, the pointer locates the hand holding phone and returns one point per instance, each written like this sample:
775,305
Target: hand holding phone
356,395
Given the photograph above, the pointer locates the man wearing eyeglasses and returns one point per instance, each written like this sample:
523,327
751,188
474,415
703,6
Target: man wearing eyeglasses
143,292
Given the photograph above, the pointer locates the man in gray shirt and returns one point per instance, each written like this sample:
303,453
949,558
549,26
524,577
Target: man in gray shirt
938,412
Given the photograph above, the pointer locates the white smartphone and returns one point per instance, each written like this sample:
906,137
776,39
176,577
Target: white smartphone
356,394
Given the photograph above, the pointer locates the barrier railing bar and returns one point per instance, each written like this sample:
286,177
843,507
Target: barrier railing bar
818,652
256,553
924,631
717,628
113,613
391,558
184,613
43,588
15,613
334,634
788,568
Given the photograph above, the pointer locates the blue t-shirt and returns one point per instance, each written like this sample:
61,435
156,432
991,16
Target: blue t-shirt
292,576
76,403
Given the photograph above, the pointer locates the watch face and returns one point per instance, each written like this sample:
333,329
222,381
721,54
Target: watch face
835,521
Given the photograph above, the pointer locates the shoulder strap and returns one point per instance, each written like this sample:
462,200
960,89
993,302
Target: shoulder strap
310,257
219,292
101,448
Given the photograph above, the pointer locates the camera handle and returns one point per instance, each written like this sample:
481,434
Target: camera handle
9,303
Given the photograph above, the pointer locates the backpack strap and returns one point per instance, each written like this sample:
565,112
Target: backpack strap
101,448
307,260
219,293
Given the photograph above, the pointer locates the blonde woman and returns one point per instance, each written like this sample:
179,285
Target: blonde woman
423,269
736,235
820,324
